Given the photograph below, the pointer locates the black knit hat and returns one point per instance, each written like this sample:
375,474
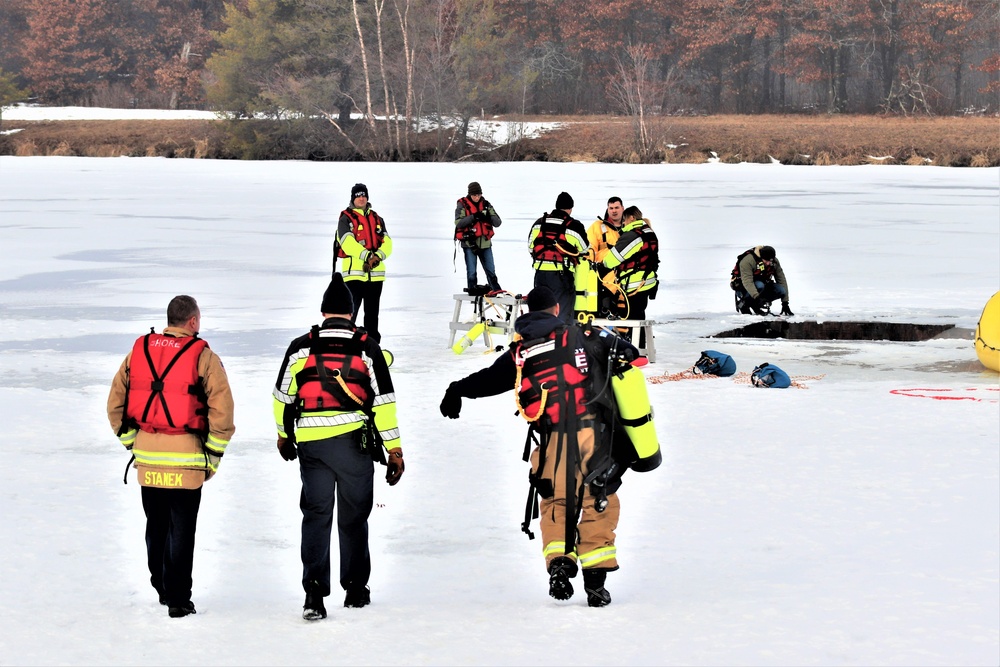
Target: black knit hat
337,299
541,298
359,189
475,189
767,252
564,201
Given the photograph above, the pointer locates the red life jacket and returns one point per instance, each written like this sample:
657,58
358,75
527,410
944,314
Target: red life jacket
335,376
556,365
368,229
551,244
648,257
478,227
762,272
165,393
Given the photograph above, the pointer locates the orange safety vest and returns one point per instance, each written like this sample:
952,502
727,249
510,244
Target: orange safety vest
165,393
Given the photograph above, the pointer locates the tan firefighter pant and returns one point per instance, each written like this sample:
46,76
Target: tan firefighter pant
596,543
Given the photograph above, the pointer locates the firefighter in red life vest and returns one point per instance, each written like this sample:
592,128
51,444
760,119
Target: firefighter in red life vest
561,375
170,403
475,219
635,257
335,410
364,244
558,243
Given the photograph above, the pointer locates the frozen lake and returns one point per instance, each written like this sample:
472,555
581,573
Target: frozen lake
839,524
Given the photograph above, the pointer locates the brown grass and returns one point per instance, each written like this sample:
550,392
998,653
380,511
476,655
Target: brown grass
790,139
819,140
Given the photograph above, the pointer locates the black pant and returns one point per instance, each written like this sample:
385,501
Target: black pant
367,294
335,466
562,285
171,520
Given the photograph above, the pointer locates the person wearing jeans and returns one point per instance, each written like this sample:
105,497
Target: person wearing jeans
475,220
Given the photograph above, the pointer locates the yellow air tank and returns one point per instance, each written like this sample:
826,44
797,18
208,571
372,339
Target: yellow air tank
636,415
470,336
585,285
988,334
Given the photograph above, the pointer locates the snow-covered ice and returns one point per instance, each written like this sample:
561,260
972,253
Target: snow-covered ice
840,524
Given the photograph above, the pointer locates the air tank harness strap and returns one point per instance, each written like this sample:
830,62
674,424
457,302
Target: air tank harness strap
537,434
157,383
127,466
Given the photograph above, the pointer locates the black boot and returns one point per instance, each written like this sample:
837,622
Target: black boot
358,597
561,570
181,610
593,584
313,609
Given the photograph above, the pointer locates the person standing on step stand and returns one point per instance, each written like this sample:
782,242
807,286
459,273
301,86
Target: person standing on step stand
364,244
335,410
560,373
558,242
475,219
757,280
171,405
635,258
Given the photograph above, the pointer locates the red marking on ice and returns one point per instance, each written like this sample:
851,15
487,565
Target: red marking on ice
943,395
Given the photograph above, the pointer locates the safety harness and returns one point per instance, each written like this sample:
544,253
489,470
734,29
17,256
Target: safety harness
368,229
173,407
647,258
761,271
550,393
336,377
479,227
551,244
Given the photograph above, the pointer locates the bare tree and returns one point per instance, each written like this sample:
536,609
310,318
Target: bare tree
634,89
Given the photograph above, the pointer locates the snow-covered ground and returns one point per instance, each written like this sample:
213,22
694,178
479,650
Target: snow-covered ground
840,524
491,131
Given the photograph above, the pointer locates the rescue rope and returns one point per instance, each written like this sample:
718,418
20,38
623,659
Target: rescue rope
343,385
739,378
517,399
744,378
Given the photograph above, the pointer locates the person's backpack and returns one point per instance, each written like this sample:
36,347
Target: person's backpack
769,375
715,363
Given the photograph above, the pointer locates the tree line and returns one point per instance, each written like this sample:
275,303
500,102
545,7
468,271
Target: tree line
372,69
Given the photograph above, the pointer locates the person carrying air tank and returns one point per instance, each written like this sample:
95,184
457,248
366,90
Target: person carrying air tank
589,420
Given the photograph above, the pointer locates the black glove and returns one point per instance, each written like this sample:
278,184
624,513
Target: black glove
451,404
482,216
286,448
785,310
394,466
756,305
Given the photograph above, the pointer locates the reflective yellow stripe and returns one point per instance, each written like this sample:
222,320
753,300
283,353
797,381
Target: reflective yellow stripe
169,459
557,549
128,438
217,445
592,558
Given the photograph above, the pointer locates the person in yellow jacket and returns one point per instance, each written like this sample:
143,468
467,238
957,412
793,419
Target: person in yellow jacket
364,244
335,411
602,235
171,405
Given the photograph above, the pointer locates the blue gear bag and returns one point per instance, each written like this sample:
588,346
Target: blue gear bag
715,363
769,375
